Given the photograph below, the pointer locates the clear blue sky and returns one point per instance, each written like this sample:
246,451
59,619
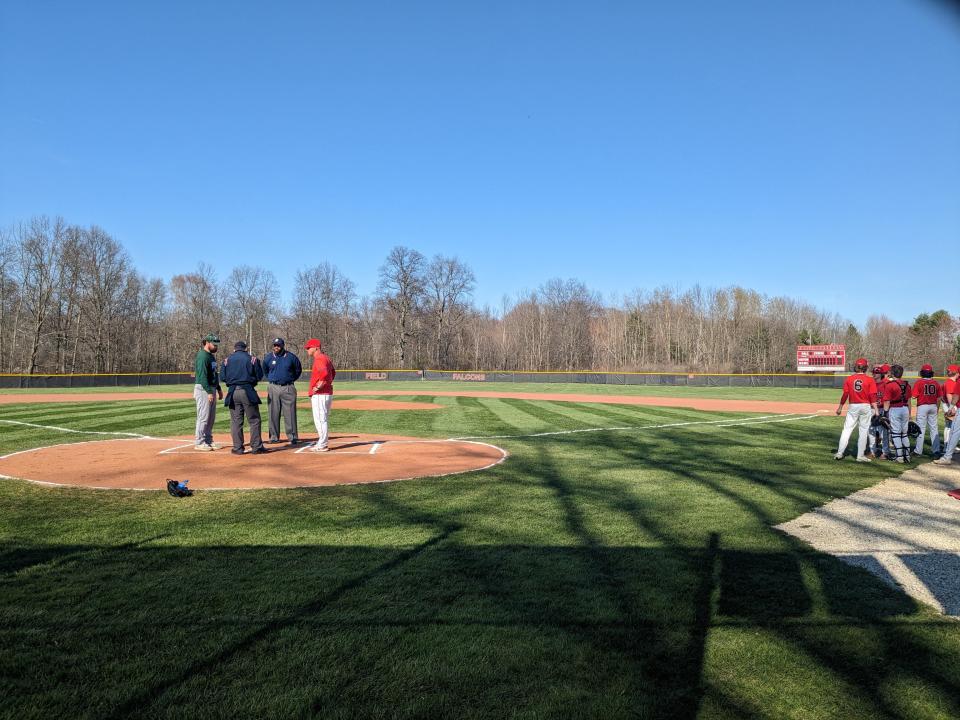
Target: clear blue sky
776,145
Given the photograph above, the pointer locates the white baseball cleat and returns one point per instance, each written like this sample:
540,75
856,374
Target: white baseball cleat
864,459
316,448
216,446
838,456
943,461
202,448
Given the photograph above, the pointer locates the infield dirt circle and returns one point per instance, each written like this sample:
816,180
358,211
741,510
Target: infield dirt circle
146,463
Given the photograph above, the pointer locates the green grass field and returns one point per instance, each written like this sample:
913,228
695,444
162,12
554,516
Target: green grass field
428,386
606,574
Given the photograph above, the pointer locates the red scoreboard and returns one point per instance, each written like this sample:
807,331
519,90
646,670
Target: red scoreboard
821,358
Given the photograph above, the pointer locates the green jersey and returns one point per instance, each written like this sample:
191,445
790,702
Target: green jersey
205,369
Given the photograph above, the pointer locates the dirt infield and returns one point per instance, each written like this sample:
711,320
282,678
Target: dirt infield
347,404
694,403
714,404
146,463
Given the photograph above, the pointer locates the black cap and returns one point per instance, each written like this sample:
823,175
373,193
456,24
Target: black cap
239,345
278,341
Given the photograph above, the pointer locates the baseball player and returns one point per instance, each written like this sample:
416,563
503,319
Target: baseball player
861,391
928,393
881,438
896,406
320,392
949,388
952,397
282,369
207,385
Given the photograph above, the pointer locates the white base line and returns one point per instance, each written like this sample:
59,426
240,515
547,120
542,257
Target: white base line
376,446
81,432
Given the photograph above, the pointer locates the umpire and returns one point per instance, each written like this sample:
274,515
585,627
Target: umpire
241,373
282,369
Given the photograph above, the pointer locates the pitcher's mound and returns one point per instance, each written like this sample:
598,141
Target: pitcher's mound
145,464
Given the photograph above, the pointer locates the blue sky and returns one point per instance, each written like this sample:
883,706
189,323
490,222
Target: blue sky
803,148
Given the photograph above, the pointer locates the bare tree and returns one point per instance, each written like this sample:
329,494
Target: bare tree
322,300
401,288
249,296
449,284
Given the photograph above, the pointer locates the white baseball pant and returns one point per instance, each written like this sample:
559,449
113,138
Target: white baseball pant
858,416
927,416
320,404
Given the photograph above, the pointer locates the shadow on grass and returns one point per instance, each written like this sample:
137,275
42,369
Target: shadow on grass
627,611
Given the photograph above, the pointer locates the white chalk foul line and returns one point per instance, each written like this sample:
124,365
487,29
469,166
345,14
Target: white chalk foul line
139,436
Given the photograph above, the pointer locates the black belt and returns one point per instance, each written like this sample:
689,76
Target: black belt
281,384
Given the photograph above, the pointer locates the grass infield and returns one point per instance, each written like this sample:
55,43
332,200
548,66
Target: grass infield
604,574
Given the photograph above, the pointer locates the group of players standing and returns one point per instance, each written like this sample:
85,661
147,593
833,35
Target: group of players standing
883,404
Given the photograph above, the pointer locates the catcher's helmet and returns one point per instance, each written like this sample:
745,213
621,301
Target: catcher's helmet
913,430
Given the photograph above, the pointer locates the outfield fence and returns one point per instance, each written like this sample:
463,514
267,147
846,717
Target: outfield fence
784,380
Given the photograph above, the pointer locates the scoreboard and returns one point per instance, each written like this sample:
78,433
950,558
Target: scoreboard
821,358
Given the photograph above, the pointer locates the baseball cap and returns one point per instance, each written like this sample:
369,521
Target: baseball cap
953,369
877,370
312,343
239,345
278,341
212,337
861,361
885,368
927,367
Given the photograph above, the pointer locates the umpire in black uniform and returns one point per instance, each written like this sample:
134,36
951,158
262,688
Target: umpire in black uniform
241,373
282,369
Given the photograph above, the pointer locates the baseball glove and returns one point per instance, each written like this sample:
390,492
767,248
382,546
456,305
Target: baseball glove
950,414
880,421
178,489
913,430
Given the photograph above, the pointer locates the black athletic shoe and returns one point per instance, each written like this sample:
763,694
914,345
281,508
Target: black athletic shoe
259,451
294,442
237,452
273,442
173,487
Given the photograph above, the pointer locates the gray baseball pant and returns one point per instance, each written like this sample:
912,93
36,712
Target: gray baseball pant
243,408
282,398
206,414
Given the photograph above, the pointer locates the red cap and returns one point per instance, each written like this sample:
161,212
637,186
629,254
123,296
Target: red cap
951,369
861,361
312,343
885,367
877,370
926,367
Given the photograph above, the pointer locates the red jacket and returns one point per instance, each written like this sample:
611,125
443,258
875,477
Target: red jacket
322,375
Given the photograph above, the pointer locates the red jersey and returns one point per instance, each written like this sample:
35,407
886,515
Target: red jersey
949,388
927,391
895,395
859,388
322,375
880,388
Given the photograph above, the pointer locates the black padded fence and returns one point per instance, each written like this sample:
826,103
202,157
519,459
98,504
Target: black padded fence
95,380
797,380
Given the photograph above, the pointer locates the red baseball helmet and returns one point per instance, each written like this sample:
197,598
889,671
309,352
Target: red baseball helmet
926,367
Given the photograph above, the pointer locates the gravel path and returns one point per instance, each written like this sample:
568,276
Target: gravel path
906,530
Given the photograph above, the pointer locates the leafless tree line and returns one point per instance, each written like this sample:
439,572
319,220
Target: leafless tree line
72,302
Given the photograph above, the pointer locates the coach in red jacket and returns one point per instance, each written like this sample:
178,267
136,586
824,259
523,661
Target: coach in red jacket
321,391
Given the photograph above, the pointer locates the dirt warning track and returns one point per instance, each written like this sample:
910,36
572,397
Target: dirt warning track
352,400
146,463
